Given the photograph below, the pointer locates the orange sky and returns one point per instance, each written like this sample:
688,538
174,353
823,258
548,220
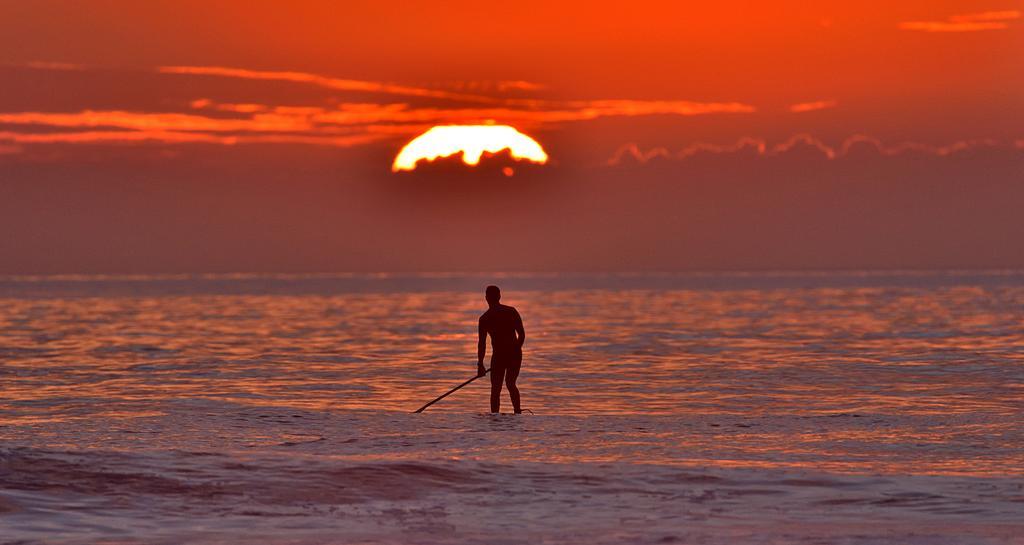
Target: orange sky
120,90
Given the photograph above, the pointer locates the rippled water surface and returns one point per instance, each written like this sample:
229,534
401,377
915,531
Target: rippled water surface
827,408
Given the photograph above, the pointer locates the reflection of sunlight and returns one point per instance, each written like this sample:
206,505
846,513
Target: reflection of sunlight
850,380
472,141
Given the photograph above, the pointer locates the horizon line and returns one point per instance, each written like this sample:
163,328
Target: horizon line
381,275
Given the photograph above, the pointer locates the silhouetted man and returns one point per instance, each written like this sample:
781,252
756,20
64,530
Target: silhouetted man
505,327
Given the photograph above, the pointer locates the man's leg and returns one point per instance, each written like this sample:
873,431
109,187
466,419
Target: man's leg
497,376
510,380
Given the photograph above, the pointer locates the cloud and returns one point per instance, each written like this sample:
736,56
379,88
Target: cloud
600,108
90,137
46,65
945,26
500,86
248,108
325,82
812,106
204,119
300,118
536,108
571,111
760,147
1005,15
969,22
171,137
264,122
519,85
340,84
344,125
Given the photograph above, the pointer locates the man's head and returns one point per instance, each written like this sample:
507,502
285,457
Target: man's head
493,295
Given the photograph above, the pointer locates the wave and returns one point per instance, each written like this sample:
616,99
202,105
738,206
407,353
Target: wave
290,479
210,497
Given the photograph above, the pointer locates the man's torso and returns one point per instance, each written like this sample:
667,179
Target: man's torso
500,323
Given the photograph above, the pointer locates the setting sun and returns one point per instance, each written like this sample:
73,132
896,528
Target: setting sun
472,141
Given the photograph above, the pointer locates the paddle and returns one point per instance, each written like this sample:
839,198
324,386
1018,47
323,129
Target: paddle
452,391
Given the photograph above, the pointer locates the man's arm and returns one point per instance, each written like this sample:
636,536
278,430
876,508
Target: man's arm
481,350
520,330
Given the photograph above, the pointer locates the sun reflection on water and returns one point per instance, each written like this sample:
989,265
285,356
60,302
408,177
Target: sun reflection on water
704,368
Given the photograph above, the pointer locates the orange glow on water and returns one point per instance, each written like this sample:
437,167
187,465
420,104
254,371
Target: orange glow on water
470,140
770,378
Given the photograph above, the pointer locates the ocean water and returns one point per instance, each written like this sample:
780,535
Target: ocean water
847,408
